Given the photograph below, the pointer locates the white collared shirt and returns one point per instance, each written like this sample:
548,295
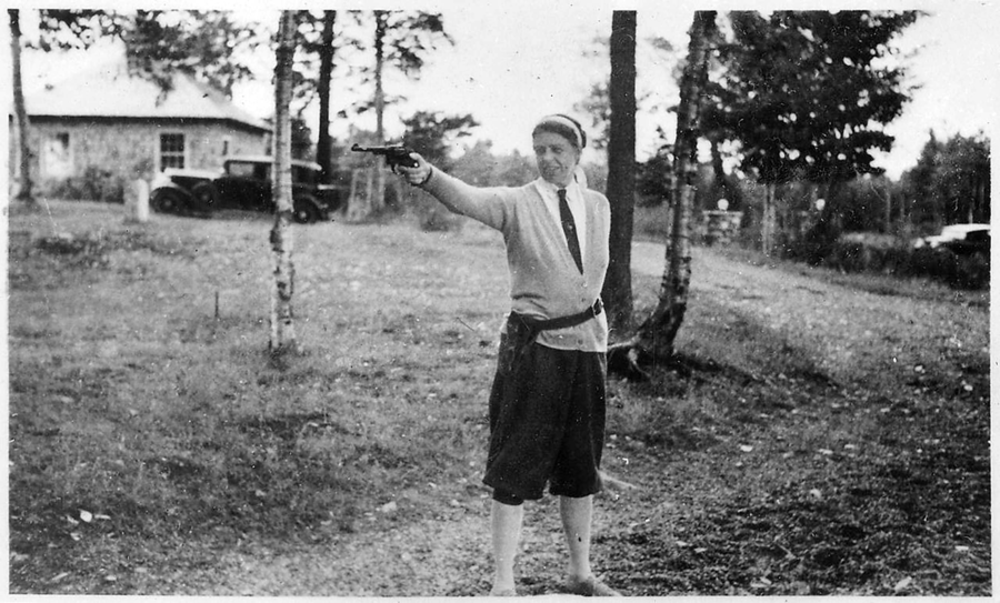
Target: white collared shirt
574,198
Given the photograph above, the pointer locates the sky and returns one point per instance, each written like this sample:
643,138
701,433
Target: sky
517,60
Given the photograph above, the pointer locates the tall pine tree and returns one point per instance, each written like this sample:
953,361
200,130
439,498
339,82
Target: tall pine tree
617,292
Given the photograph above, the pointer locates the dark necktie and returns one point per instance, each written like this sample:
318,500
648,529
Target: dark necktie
569,228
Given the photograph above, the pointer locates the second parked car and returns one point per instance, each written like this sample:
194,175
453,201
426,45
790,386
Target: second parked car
962,239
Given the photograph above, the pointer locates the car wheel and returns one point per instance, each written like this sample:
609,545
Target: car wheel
166,201
305,212
205,196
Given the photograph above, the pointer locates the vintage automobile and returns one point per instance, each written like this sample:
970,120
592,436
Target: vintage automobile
245,184
961,239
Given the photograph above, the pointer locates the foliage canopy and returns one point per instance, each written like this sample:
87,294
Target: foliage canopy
806,94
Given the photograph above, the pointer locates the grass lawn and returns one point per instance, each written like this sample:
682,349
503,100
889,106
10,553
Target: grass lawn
145,416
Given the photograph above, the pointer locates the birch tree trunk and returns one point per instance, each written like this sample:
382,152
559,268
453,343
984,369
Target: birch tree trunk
24,193
360,208
282,323
655,338
767,222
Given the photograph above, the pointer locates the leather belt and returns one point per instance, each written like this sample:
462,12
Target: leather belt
523,330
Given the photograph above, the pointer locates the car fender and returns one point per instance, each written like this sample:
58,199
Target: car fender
205,196
311,200
182,180
167,184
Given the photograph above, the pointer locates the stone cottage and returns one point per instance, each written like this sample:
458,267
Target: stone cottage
103,121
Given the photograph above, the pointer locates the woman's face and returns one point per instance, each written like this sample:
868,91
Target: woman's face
557,157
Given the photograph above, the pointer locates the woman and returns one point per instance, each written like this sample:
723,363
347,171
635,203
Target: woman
547,404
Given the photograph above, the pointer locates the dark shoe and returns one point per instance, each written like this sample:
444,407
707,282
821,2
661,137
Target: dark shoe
590,587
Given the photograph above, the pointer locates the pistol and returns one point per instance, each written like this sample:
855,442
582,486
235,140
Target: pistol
395,155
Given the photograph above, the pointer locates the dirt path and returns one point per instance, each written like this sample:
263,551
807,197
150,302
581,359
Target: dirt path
835,320
449,555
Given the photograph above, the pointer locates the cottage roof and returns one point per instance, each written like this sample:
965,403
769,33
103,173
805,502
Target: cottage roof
107,90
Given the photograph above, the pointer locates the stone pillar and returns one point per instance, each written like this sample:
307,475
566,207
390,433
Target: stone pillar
137,201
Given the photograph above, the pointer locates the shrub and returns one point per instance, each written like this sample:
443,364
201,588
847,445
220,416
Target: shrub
95,184
973,272
959,272
817,245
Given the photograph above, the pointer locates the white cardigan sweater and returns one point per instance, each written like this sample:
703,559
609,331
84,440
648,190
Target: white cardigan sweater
544,280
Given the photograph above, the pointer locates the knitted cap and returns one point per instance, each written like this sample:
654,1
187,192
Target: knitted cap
565,126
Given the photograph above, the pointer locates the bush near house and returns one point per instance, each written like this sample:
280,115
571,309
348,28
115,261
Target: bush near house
95,184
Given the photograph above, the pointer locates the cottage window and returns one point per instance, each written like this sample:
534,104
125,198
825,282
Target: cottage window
171,151
57,157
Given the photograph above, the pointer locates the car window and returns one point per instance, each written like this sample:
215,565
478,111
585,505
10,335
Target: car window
241,169
253,170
